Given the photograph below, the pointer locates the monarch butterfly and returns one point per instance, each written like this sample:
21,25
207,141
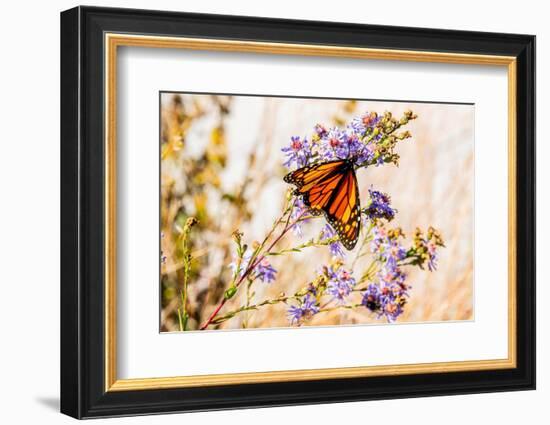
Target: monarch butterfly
331,188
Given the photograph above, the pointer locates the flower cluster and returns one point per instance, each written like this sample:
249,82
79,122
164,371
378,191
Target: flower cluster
387,300
265,271
386,245
424,249
379,206
345,144
298,152
306,310
386,293
367,140
340,283
334,281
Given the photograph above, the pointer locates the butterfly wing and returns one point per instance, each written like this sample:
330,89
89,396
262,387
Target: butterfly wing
343,210
331,188
315,183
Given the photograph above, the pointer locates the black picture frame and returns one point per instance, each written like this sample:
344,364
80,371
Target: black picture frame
83,392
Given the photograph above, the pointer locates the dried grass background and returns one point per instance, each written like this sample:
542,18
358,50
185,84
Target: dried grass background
222,164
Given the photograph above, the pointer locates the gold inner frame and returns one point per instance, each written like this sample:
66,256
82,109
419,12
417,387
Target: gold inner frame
113,41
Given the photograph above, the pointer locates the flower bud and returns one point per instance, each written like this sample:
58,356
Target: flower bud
191,221
230,292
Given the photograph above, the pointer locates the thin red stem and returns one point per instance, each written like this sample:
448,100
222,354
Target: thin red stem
250,267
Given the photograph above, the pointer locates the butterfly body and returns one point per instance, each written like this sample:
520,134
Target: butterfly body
330,188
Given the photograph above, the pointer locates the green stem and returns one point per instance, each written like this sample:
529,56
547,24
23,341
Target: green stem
219,319
339,307
180,320
369,272
248,300
183,316
308,244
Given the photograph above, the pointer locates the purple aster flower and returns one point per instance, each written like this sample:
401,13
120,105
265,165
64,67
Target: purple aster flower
294,314
365,123
340,284
386,298
298,152
331,144
371,298
425,248
320,131
335,138
336,248
385,247
392,311
391,274
305,311
432,259
388,295
379,206
265,271
393,299
361,152
339,144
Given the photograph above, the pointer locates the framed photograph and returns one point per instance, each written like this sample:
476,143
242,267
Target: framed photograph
261,212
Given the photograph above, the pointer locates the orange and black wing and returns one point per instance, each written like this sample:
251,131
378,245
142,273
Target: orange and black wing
331,188
322,177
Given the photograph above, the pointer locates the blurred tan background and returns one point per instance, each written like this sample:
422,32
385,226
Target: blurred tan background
222,163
